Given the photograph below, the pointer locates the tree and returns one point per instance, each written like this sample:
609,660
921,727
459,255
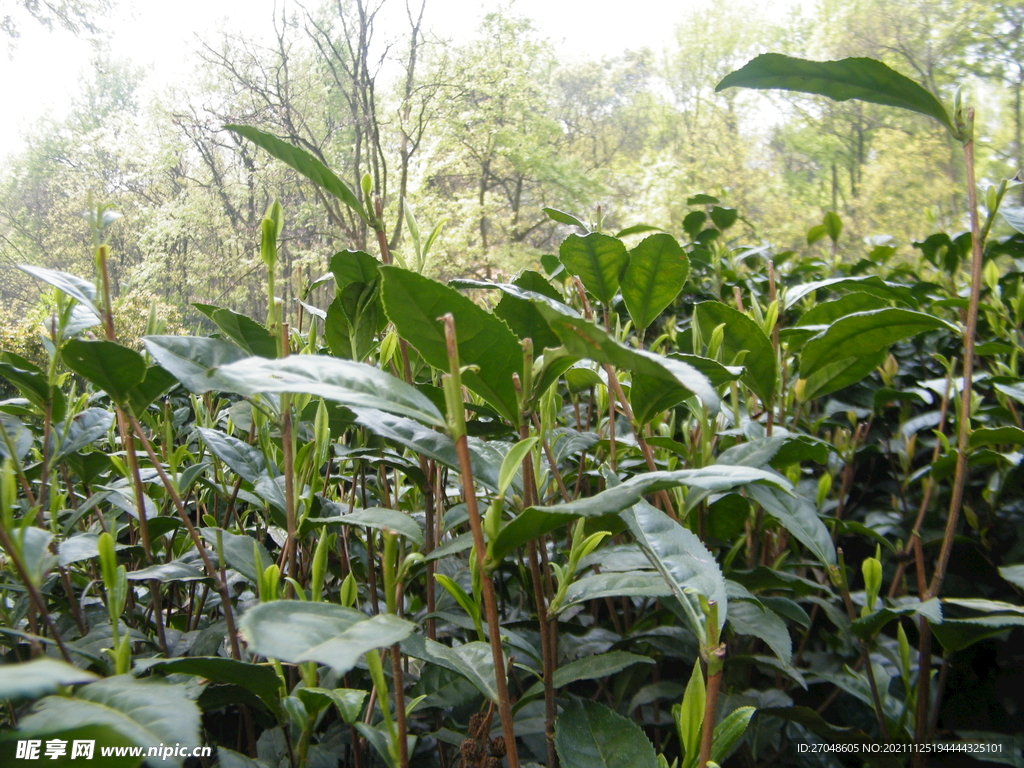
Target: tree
76,16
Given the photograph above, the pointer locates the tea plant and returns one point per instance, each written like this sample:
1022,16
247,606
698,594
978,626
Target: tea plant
673,501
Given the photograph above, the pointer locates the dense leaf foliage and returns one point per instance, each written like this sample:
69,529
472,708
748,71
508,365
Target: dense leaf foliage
673,499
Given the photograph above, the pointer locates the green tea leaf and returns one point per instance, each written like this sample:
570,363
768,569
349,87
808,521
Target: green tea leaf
589,735
854,78
32,679
378,518
82,291
428,442
799,517
585,340
32,383
344,381
244,331
728,733
677,553
295,631
191,359
415,303
472,661
597,260
106,365
657,271
149,712
535,521
865,333
304,163
741,335
246,461
595,667
259,679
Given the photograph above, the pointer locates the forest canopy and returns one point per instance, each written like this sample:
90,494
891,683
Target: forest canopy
484,132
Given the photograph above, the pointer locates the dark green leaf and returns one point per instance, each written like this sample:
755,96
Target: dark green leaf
600,666
853,78
649,396
827,312
1014,217
238,552
304,163
344,381
589,735
36,678
296,631
724,217
349,701
799,518
535,521
815,233
597,260
957,634
175,570
657,270
106,365
32,383
636,229
996,436
864,333
522,316
842,373
350,267
693,223
415,303
728,733
1013,574
428,442
190,359
868,626
244,460
585,340
748,618
629,584
149,712
260,680
245,332
741,334
473,661
681,557
379,518
872,284
85,428
155,383
833,225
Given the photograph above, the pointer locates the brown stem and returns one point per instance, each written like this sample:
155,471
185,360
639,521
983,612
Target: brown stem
476,525
33,591
964,425
645,449
929,486
710,708
864,651
211,571
548,653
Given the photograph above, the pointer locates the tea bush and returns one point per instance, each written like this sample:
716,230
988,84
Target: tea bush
668,499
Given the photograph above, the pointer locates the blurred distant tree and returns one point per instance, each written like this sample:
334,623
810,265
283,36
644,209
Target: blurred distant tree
76,16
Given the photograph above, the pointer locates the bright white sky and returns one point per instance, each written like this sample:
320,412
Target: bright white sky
43,70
